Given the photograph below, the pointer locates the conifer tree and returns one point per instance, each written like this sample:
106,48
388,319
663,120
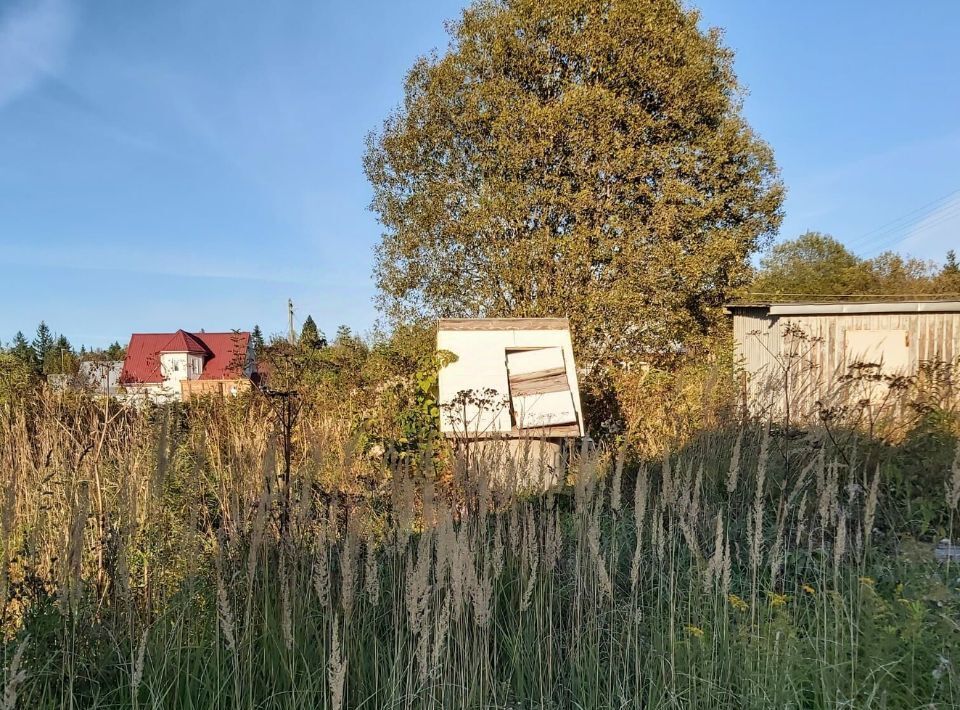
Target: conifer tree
948,280
115,351
22,350
43,344
951,266
60,358
311,336
256,337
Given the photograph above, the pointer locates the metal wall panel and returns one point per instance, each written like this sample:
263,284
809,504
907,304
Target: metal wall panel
767,352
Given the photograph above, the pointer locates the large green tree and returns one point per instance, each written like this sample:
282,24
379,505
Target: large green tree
813,263
948,280
816,264
573,157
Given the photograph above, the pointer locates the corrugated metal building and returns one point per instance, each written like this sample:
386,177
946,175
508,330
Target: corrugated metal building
804,353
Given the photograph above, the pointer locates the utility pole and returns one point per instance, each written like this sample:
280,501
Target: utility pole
291,336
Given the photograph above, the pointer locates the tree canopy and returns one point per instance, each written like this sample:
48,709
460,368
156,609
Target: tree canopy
817,264
571,157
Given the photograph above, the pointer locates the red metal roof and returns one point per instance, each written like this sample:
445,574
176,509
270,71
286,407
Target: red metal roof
225,354
184,342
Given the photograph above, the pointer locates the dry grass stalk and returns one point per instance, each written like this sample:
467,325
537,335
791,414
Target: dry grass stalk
225,616
531,558
320,574
727,567
755,523
840,540
953,485
693,512
417,587
440,635
714,565
336,668
286,611
553,540
371,574
733,472
15,677
639,515
348,571
616,485
593,542
870,507
777,551
136,675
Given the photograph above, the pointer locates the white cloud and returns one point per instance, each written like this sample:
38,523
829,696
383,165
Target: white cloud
34,36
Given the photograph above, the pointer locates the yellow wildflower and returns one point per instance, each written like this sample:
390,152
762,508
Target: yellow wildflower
778,599
694,631
738,603
808,589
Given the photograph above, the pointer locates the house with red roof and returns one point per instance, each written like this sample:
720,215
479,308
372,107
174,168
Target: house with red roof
181,365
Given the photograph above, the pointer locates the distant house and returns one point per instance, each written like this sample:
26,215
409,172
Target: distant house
98,377
182,365
798,353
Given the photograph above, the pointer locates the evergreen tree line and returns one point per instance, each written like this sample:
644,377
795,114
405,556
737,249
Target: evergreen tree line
50,353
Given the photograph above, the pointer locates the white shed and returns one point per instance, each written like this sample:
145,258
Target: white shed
512,378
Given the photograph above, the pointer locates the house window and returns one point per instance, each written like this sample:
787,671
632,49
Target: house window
540,393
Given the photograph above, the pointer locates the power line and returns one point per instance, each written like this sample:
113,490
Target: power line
925,225
913,215
904,221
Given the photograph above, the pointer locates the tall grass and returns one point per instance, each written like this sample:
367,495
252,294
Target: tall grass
155,559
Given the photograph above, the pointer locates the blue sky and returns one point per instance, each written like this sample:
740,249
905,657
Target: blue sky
194,164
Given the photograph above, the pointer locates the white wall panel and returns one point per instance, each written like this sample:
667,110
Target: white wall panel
482,365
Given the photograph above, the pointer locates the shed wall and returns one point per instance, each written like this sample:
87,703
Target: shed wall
481,364
763,344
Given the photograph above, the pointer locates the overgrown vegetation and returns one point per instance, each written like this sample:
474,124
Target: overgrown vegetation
156,558
320,545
